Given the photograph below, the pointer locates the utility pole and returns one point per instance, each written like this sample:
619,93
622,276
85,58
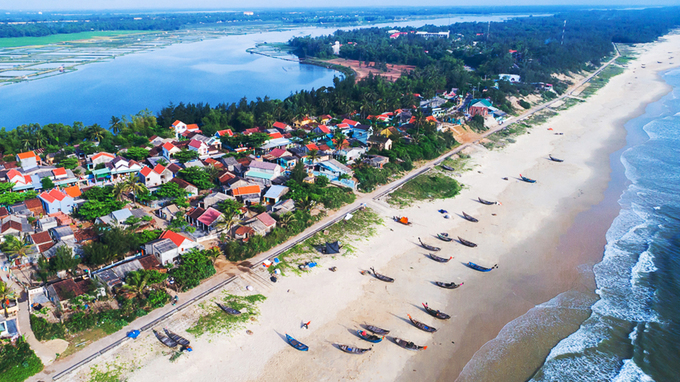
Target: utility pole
563,28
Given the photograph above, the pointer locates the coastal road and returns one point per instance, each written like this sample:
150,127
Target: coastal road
61,368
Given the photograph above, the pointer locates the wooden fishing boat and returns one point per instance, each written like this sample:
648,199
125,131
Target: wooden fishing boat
480,268
377,330
486,202
296,344
408,344
447,285
177,338
369,337
228,310
402,219
167,341
421,326
448,168
429,247
352,350
440,259
552,158
524,178
382,277
435,313
466,242
444,237
469,218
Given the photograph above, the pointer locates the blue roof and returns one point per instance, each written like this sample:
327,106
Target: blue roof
275,191
121,215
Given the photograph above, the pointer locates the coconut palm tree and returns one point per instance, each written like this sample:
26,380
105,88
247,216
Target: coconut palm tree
212,254
286,220
313,155
137,282
131,185
6,294
97,133
306,203
115,124
15,248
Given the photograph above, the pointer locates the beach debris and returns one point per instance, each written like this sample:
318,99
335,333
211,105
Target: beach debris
249,332
249,287
333,269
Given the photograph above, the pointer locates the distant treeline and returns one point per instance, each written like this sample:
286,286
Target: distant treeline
33,24
530,46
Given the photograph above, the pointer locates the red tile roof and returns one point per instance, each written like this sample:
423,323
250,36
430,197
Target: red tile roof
55,193
3,212
73,191
146,171
228,132
59,171
209,216
192,126
177,122
349,122
168,146
33,203
41,238
266,219
174,236
26,155
196,144
102,154
46,197
275,135
227,176
277,152
312,146
324,129
13,173
11,224
158,169
44,247
279,125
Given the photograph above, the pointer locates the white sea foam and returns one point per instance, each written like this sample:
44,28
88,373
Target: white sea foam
631,372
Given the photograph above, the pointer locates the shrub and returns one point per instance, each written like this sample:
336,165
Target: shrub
524,104
18,362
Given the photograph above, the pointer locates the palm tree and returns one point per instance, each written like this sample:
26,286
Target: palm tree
286,220
97,133
313,155
137,282
115,124
130,186
16,249
212,254
306,203
6,294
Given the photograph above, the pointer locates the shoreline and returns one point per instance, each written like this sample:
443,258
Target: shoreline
334,312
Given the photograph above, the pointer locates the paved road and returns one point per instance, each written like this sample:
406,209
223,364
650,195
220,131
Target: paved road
66,366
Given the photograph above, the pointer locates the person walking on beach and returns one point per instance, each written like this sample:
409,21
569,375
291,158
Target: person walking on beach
306,324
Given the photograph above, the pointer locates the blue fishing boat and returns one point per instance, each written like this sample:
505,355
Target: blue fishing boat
296,344
369,337
524,178
480,268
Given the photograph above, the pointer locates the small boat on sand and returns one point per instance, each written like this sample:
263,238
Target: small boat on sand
167,341
369,337
466,242
524,178
469,218
177,338
352,350
408,344
296,344
444,237
421,326
480,268
447,285
377,330
486,202
448,168
552,158
382,277
229,310
402,219
440,259
435,313
429,247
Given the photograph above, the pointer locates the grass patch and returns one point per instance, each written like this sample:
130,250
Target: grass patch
601,80
362,222
111,374
18,362
217,321
539,118
459,163
568,102
13,42
423,187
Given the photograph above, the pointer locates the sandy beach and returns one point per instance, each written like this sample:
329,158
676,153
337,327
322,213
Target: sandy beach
544,238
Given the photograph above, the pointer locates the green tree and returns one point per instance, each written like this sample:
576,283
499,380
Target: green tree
69,163
63,260
15,248
47,183
198,177
136,153
185,155
138,281
6,293
299,173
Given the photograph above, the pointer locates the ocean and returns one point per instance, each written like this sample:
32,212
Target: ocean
633,332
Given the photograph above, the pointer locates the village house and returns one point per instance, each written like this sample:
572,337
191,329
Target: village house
168,252
35,206
42,240
214,199
283,206
282,127
61,292
350,154
377,161
56,201
186,186
224,133
263,172
181,128
21,181
334,170
169,150
117,168
362,132
479,107
249,194
168,212
156,176
262,224
274,194
200,147
115,276
243,233
99,158
28,160
118,218
208,219
46,223
380,143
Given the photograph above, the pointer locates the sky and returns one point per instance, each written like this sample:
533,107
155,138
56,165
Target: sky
52,5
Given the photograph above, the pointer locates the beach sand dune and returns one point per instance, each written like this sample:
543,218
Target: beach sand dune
523,236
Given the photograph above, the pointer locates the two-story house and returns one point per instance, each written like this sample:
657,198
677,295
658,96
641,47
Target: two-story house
56,201
263,172
154,177
362,132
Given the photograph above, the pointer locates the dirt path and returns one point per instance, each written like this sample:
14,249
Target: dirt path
392,74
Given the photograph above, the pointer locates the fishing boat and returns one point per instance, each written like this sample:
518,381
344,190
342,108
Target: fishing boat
466,242
444,237
177,338
447,285
421,326
296,344
402,219
369,337
429,247
469,218
480,268
167,341
408,344
377,330
486,202
440,259
382,277
524,178
229,310
352,350
448,168
435,313
552,158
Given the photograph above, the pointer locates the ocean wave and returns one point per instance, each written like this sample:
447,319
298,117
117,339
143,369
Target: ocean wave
631,372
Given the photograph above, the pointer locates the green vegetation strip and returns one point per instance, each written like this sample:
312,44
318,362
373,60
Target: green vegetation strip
601,79
18,362
217,321
13,42
423,187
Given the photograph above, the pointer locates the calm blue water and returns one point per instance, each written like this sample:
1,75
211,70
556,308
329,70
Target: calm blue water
211,71
633,333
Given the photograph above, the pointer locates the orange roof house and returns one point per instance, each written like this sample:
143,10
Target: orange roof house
73,191
246,190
